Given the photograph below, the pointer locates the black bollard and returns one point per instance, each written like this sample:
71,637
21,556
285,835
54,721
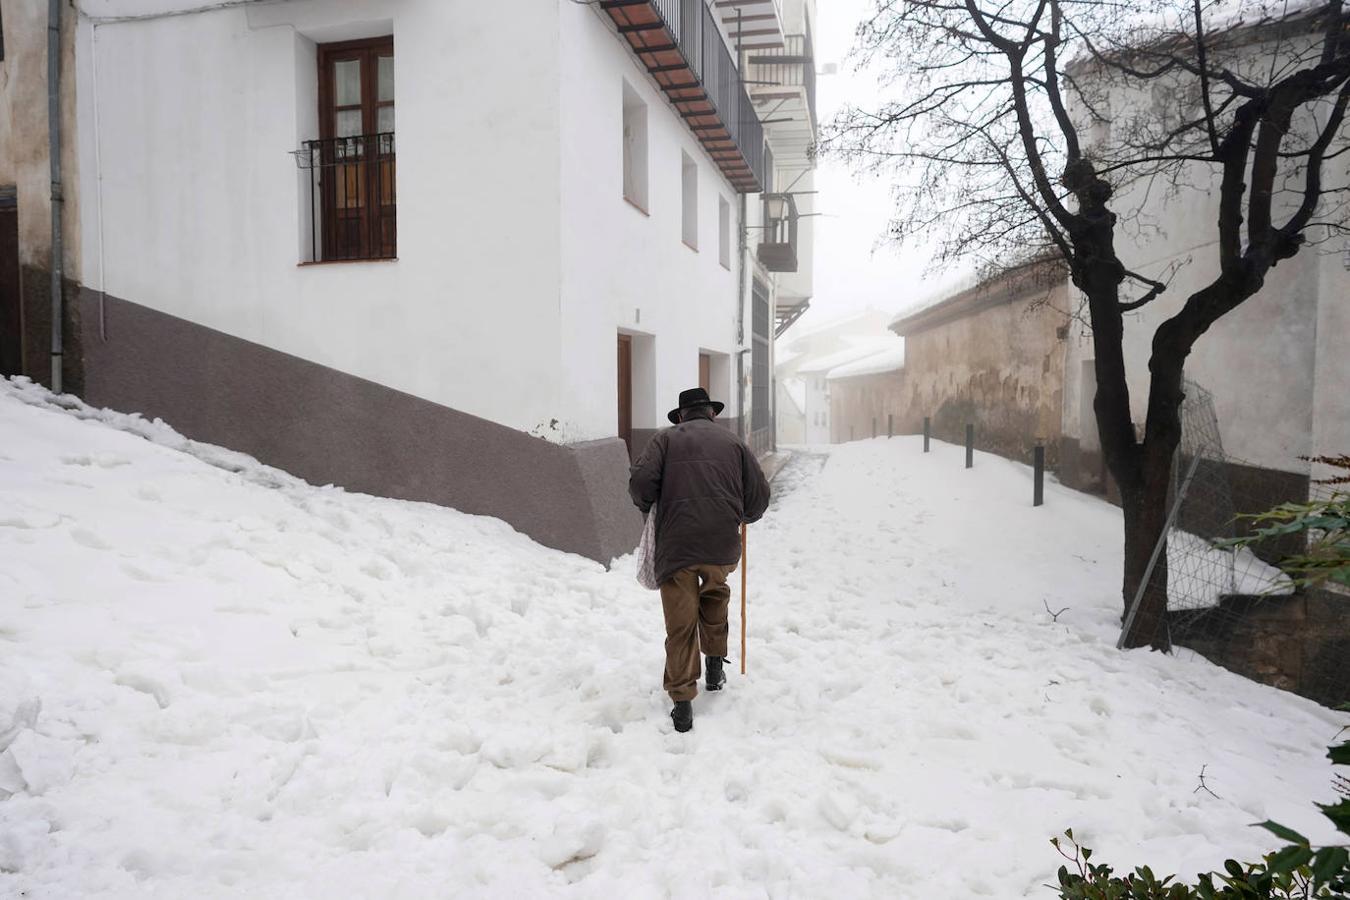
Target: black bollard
970,446
927,431
874,428
1038,479
890,425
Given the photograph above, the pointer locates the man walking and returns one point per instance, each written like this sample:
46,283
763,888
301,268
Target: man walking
706,484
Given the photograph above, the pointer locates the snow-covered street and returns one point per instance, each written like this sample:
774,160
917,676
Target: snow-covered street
223,682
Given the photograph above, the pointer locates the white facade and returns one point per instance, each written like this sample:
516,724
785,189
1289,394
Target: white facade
627,269
518,258
1277,365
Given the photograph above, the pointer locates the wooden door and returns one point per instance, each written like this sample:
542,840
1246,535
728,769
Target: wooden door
705,372
626,390
11,319
356,123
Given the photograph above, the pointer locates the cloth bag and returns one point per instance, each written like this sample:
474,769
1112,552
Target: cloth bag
646,553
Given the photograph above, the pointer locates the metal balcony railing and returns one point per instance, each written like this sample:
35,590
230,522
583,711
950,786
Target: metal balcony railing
693,27
793,66
352,197
778,246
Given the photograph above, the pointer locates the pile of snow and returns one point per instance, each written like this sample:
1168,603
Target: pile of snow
1200,575
218,681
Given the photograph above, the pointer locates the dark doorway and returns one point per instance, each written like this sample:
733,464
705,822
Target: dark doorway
705,372
626,390
11,317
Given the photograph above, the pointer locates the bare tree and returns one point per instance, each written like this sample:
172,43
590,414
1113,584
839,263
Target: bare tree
1017,132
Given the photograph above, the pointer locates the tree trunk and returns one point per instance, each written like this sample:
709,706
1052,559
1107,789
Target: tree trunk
1147,507
1145,511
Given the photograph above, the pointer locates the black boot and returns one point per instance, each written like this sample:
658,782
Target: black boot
716,677
682,715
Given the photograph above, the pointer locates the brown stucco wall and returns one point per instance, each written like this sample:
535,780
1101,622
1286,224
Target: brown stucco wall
1000,366
857,403
330,427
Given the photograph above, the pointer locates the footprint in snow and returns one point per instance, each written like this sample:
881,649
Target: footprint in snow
87,538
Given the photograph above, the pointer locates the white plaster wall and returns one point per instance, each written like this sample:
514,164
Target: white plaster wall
1277,377
623,269
817,402
193,203
1331,395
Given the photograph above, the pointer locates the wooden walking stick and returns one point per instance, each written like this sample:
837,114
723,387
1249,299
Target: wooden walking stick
743,568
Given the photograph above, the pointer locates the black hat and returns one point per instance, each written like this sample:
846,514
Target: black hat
691,399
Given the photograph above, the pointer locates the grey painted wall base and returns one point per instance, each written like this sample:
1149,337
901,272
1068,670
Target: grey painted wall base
330,427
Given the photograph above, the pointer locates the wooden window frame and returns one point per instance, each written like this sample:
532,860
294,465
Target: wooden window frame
369,51
368,229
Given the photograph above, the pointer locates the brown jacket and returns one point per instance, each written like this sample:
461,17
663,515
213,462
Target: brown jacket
706,483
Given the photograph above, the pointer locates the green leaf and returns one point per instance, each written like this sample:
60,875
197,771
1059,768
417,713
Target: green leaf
1283,833
1340,754
1339,814
1329,861
1290,858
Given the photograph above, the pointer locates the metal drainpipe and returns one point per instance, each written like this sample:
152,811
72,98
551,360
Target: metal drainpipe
741,267
58,201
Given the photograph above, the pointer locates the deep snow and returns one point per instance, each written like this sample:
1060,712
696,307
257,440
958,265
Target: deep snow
225,682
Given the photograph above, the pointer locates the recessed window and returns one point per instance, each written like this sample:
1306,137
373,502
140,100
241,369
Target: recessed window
689,199
353,199
634,148
723,232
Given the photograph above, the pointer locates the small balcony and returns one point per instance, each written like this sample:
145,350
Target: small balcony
784,80
351,197
778,245
680,45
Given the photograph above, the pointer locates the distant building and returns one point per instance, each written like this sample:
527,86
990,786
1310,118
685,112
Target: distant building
865,395
806,354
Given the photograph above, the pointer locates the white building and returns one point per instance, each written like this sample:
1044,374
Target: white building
460,252
1277,365
806,354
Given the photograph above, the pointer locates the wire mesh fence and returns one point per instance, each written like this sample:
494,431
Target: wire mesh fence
1233,604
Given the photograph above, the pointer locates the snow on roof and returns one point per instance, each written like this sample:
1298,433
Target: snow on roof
886,361
940,289
861,347
803,328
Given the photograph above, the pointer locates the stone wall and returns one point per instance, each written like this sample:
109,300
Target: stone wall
1299,643
992,356
863,402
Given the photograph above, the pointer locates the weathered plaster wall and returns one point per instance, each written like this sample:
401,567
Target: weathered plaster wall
1000,367
859,403
25,164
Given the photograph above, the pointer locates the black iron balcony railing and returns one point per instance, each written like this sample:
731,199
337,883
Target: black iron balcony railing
794,65
352,197
682,47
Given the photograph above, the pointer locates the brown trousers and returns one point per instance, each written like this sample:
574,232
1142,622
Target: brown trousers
695,603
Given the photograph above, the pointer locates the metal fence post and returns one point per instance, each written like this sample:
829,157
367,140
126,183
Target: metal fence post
874,427
970,446
1038,479
927,431
890,425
